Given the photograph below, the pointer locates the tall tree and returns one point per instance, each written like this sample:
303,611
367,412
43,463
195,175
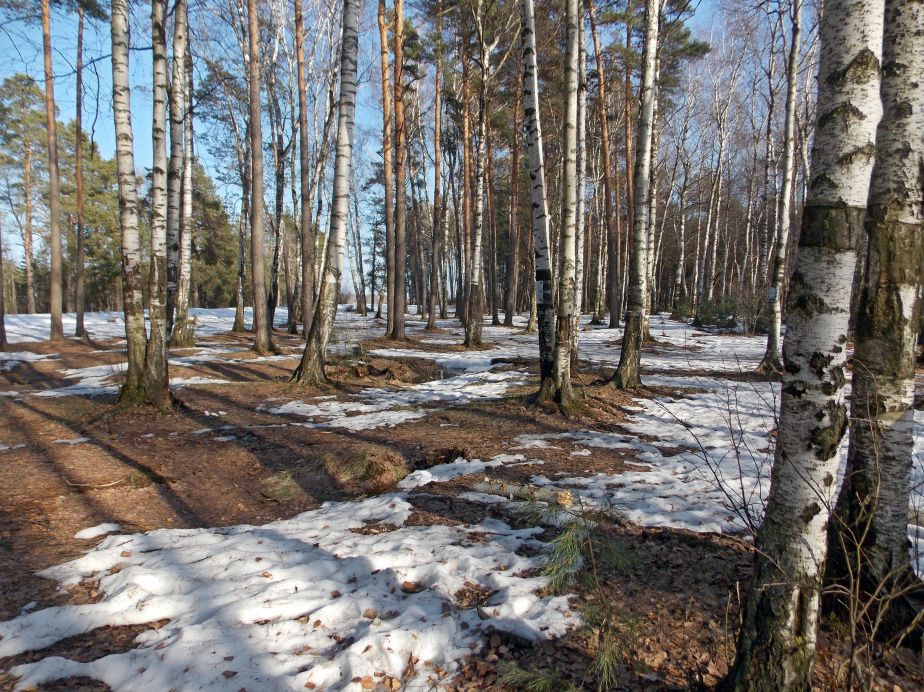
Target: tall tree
566,279
777,641
177,154
513,233
133,388
155,364
311,368
436,236
388,183
54,183
872,509
261,328
3,343
183,328
80,329
399,302
627,374
540,208
771,360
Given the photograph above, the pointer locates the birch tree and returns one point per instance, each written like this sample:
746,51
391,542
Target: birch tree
771,360
872,509
311,368
777,641
627,374
261,328
183,327
539,204
133,388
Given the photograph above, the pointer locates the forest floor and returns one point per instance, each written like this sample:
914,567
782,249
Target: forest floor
381,471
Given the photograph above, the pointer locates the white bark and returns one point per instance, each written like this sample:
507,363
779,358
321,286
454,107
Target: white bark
539,201
175,171
135,336
776,648
311,368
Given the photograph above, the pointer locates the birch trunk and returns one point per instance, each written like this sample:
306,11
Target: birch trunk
627,374
80,330
776,645
261,342
177,153
540,210
771,360
311,368
873,505
580,231
155,364
133,388
183,328
566,279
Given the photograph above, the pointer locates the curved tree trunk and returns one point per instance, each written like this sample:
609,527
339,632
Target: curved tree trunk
872,509
133,388
627,374
311,368
776,645
540,235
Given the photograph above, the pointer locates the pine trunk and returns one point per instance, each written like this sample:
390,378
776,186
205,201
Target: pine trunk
435,232
400,292
80,330
390,266
54,183
777,641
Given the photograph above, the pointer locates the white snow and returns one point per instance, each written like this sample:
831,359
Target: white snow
273,607
99,530
460,467
74,441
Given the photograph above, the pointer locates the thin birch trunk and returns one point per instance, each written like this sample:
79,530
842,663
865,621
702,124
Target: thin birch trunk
627,374
771,360
155,364
261,343
540,210
873,504
777,641
183,328
133,388
311,368
580,231
513,245
177,152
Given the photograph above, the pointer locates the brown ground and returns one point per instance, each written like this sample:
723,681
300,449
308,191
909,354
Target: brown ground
144,469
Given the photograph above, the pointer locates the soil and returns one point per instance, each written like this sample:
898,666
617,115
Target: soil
677,600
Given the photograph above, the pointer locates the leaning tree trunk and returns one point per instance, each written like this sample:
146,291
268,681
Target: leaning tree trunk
155,364
872,510
80,329
175,170
541,257
183,327
54,183
771,360
777,641
566,279
133,388
311,368
627,374
261,341
399,299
